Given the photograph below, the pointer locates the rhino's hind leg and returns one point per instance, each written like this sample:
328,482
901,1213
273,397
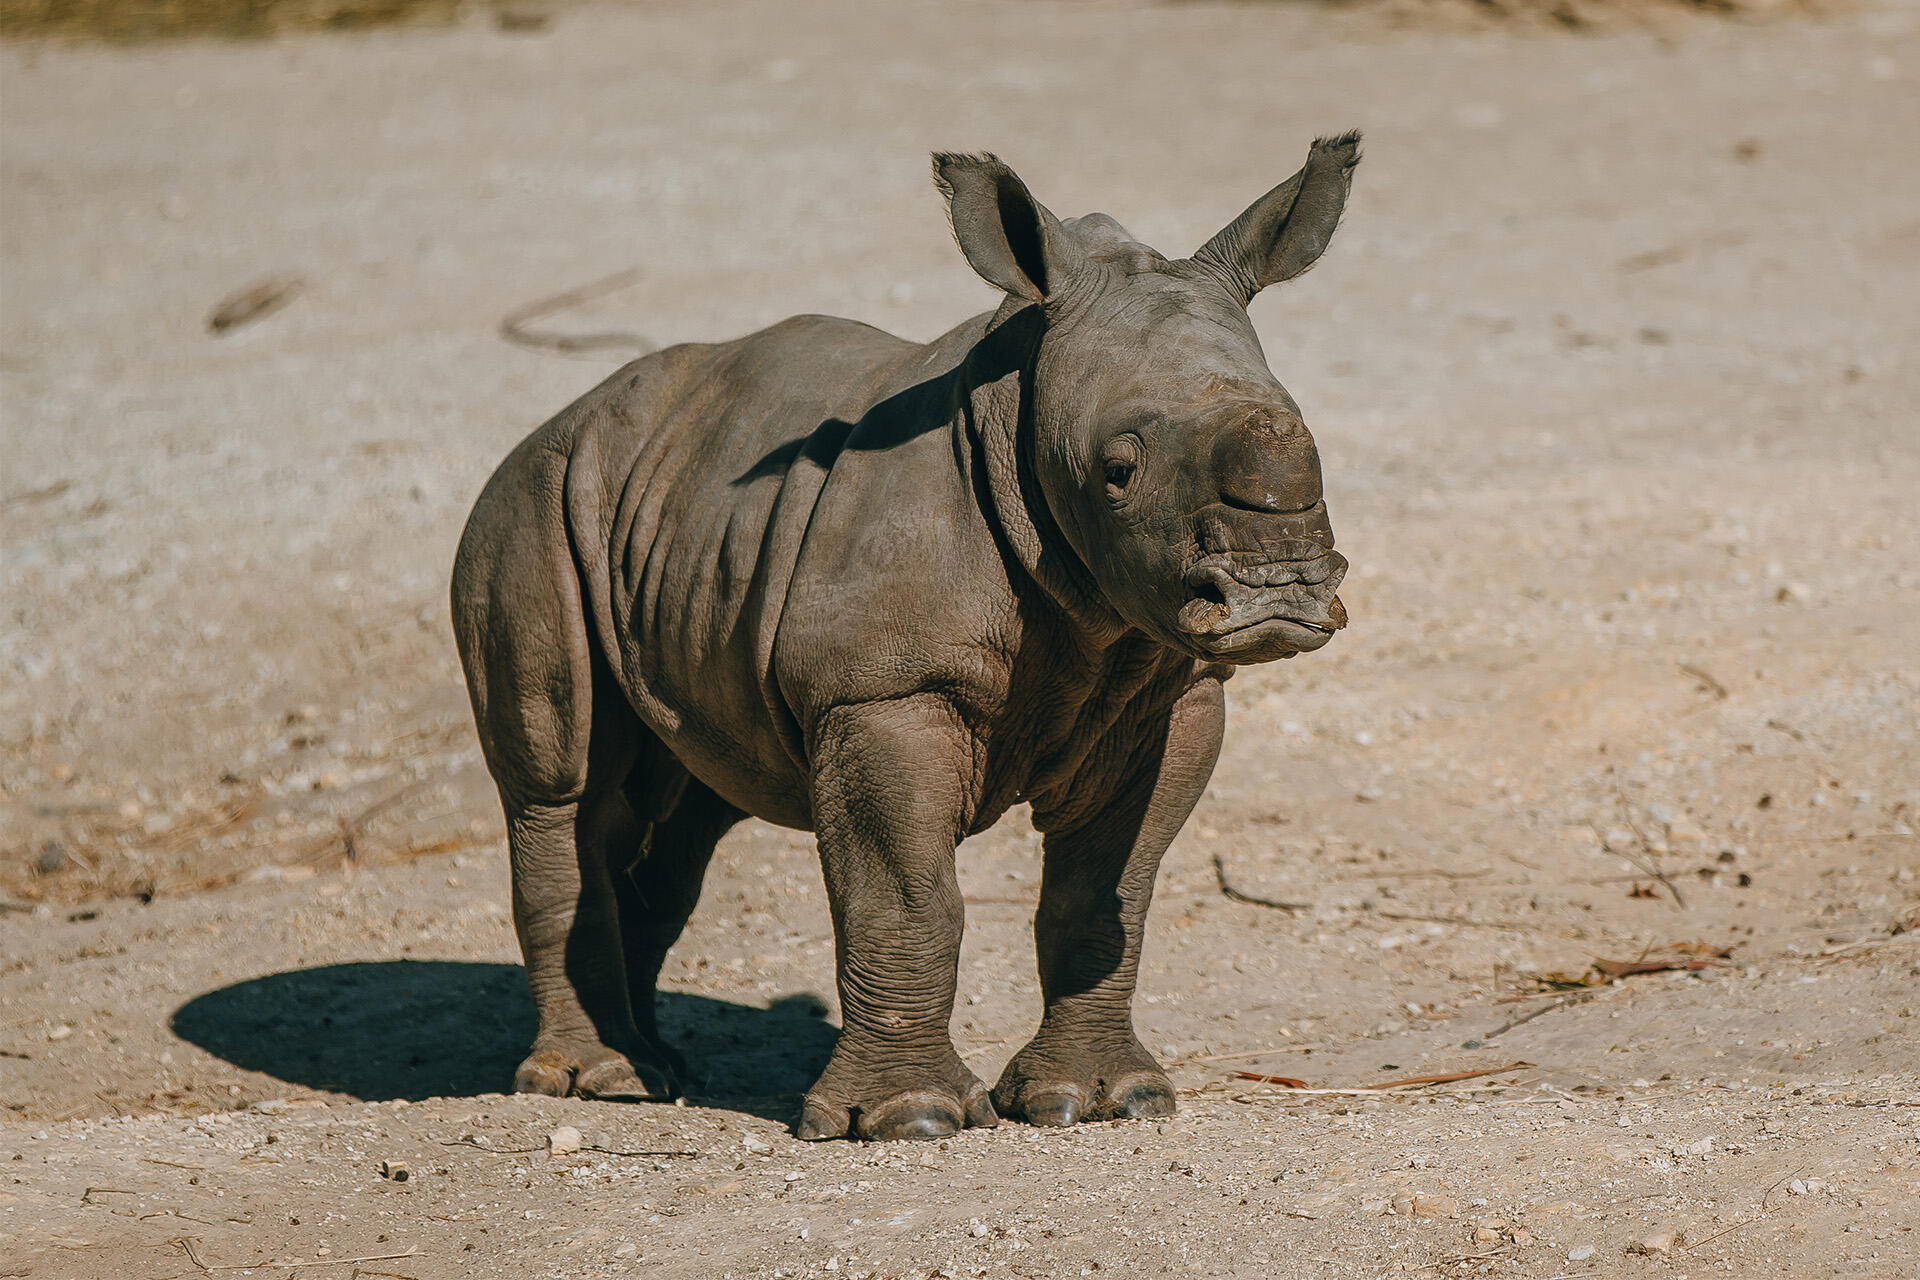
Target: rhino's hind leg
566,910
559,741
658,883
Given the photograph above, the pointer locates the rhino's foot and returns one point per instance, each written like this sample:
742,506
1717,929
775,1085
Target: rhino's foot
876,1108
597,1072
1061,1089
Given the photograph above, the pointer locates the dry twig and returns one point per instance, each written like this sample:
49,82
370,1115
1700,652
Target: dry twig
1234,895
1525,1018
1707,683
255,302
513,325
1508,926
1641,859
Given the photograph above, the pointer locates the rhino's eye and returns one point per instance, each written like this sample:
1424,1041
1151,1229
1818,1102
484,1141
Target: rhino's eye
1123,459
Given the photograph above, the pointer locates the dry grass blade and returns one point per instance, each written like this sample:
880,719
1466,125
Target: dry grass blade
1505,926
189,1246
1626,968
312,1262
1289,1082
1250,1053
1451,1076
1500,1252
1542,1011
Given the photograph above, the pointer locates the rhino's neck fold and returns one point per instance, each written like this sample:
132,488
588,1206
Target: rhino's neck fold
999,384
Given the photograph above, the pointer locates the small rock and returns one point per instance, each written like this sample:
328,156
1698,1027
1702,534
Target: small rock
1660,1242
627,1250
60,1032
1580,1253
1698,1148
795,1175
1418,1206
1487,1235
394,1170
564,1141
977,1229
1798,1188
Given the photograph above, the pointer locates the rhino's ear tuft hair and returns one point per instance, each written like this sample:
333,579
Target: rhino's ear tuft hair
1284,232
1007,236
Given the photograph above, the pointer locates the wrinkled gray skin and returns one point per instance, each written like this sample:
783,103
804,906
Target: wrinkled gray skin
884,591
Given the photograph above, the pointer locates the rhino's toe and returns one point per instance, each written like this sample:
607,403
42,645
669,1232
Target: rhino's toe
1141,1096
916,1116
617,1079
1056,1106
546,1072
1058,1083
820,1120
979,1108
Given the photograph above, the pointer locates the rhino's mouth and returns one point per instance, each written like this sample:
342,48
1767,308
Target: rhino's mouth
1246,609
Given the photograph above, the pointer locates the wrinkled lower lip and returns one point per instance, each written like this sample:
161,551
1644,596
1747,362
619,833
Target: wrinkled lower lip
1287,608
1294,637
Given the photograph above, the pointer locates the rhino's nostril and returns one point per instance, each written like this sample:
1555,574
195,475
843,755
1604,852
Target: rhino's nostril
1208,610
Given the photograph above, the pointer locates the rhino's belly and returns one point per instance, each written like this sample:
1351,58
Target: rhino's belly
698,578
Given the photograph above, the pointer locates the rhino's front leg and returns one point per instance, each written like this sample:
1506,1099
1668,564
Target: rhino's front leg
1085,1062
891,781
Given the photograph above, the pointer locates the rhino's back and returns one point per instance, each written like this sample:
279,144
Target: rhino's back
694,475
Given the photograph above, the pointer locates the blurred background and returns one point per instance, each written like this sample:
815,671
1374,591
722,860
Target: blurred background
1612,371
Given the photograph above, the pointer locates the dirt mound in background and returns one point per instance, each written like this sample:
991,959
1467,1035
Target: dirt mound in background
130,20
133,20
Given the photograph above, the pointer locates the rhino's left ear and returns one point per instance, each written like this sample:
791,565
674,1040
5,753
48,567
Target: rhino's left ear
1007,235
1284,231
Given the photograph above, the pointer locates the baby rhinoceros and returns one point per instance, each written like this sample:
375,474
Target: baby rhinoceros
884,591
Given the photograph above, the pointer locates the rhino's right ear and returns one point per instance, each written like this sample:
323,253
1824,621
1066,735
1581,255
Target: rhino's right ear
1009,237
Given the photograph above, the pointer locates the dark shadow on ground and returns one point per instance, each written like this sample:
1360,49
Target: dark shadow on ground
441,1028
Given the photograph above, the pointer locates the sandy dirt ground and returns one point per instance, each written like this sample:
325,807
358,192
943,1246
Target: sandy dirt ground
1612,369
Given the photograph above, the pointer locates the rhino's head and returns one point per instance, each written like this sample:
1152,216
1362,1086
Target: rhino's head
1171,459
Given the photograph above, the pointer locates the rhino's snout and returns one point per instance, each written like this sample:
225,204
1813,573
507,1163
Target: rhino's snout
1265,461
